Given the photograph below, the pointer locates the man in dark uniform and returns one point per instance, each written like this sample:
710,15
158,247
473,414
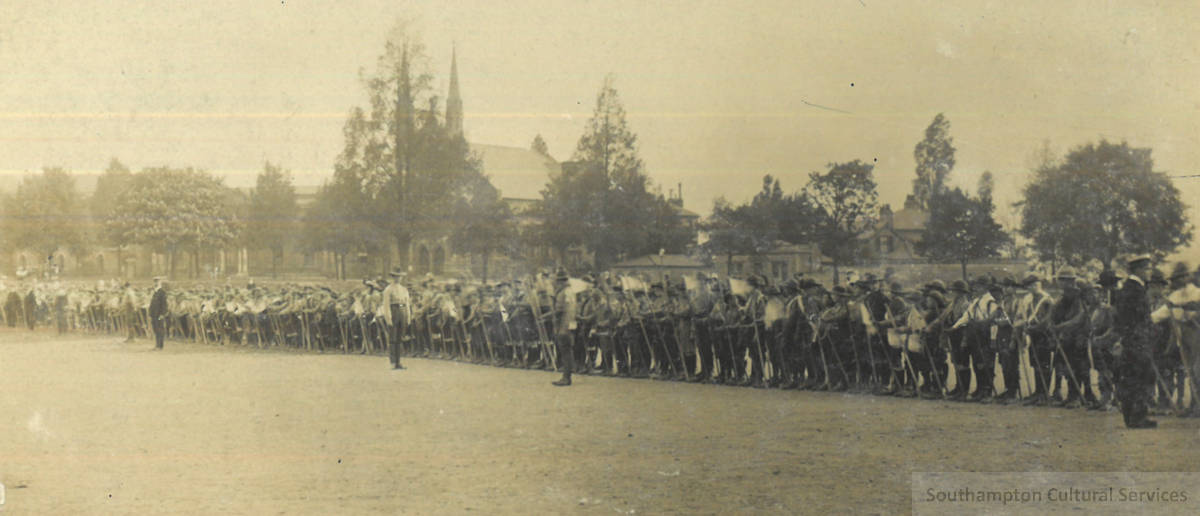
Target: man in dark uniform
158,312
12,308
1134,369
30,308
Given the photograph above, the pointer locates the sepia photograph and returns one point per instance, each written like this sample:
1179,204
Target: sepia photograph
599,257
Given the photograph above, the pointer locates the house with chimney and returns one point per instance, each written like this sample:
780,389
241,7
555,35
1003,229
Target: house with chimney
894,238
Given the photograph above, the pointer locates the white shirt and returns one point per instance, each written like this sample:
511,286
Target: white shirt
982,309
394,294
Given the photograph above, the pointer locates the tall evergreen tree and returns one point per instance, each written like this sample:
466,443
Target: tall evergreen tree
539,146
987,186
935,159
103,204
604,200
413,168
270,223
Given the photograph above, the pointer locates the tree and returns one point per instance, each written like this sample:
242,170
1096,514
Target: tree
935,160
961,229
413,169
485,225
603,200
1100,202
987,186
539,146
754,228
103,204
844,200
727,233
45,213
173,210
271,221
339,220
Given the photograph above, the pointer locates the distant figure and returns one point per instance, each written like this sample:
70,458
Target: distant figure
158,312
565,313
30,308
395,305
60,309
12,308
129,307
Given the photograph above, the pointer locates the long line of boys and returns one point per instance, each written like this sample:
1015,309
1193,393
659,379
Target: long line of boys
1053,342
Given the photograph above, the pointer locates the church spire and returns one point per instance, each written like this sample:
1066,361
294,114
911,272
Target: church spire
454,106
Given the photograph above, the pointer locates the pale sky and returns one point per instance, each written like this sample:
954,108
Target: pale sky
719,92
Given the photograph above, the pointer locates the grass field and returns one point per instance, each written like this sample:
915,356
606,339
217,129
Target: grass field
94,425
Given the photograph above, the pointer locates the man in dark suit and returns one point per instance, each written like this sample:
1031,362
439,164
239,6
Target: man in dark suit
158,312
1134,368
31,307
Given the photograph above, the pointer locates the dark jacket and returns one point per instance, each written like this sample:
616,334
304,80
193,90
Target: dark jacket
1132,321
158,304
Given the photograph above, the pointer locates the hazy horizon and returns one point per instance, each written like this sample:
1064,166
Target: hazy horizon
719,93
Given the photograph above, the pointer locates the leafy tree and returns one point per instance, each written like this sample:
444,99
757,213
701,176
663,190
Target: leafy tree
961,229
175,210
485,225
727,233
603,200
754,228
45,214
270,223
539,146
412,168
103,204
935,160
844,200
1100,202
339,220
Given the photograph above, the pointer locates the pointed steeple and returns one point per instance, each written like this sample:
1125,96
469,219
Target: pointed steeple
454,106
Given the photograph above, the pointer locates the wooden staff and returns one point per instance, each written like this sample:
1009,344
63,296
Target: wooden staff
541,330
487,339
1067,361
838,358
815,341
933,368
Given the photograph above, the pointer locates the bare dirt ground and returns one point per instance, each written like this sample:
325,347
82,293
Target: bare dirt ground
93,425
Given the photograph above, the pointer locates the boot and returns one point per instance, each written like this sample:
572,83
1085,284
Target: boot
979,395
929,392
958,393
565,381
1144,423
1037,399
1009,396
